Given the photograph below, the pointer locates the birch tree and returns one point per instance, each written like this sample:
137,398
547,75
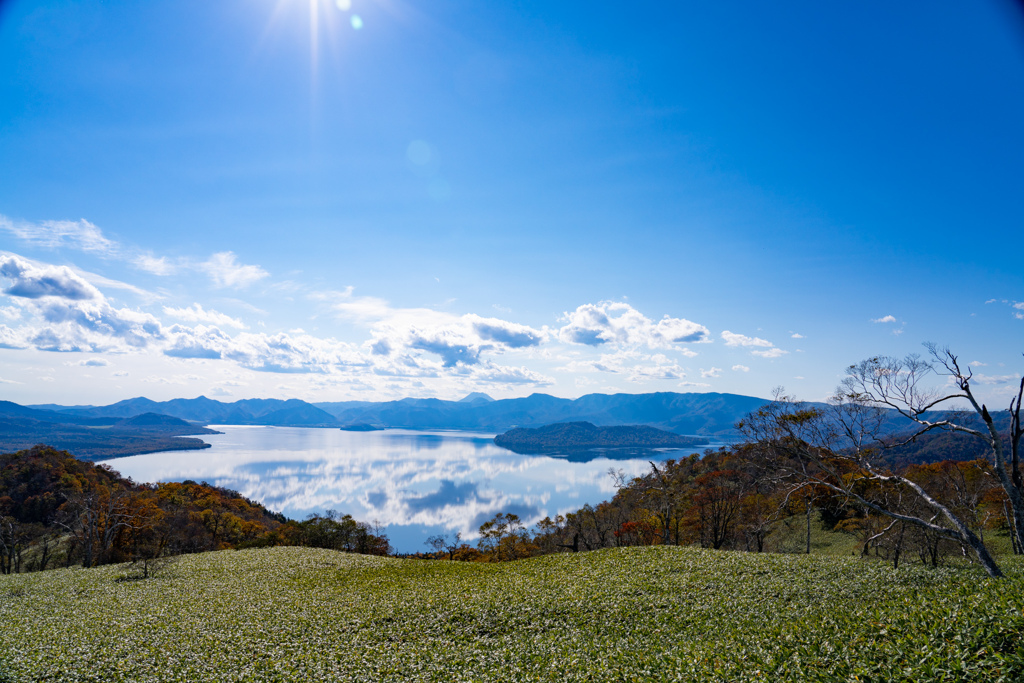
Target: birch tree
840,446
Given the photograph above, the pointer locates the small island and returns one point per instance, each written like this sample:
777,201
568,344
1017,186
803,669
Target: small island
580,436
360,427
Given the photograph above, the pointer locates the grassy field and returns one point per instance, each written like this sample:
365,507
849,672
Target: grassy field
632,614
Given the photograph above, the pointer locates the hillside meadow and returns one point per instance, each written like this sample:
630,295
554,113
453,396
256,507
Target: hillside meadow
628,614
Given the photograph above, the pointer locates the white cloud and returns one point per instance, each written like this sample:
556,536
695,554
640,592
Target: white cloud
93,363
699,385
458,340
80,234
995,379
361,309
154,265
762,348
100,281
796,335
713,372
496,374
13,339
512,335
884,319
94,326
32,281
10,312
769,353
225,271
733,339
740,368
197,314
619,323
645,373
63,312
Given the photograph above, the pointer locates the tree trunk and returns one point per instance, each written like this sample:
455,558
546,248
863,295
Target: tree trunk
808,526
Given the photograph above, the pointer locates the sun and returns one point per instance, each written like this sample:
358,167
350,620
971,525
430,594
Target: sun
326,17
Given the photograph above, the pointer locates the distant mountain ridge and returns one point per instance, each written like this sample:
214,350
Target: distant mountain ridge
253,411
708,414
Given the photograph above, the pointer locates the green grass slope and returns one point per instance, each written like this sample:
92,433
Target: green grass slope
632,614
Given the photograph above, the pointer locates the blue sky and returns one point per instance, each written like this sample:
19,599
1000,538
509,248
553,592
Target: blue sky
258,198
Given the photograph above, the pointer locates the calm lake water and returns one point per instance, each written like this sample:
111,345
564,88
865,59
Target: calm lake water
413,483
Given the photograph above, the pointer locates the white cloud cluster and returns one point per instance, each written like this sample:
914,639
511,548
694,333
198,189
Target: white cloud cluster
60,309
884,319
62,312
223,268
401,338
285,352
618,323
70,313
94,326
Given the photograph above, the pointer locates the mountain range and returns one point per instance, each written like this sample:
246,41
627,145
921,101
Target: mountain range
709,414
142,425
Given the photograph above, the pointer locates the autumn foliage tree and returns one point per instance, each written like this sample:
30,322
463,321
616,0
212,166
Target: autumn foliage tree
56,509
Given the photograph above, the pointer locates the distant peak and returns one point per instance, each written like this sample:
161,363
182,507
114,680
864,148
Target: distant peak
475,397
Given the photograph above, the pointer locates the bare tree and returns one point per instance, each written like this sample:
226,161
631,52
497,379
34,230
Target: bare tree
838,447
659,484
898,384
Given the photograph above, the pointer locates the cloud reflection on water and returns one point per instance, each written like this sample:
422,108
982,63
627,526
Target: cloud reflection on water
450,481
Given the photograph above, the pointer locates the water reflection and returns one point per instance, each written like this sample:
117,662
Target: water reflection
414,483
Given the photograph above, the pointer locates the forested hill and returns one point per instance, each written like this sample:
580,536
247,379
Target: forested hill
96,438
578,436
58,510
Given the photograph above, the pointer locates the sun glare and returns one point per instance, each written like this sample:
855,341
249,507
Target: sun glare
326,17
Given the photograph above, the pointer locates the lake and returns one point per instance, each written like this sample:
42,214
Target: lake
412,483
